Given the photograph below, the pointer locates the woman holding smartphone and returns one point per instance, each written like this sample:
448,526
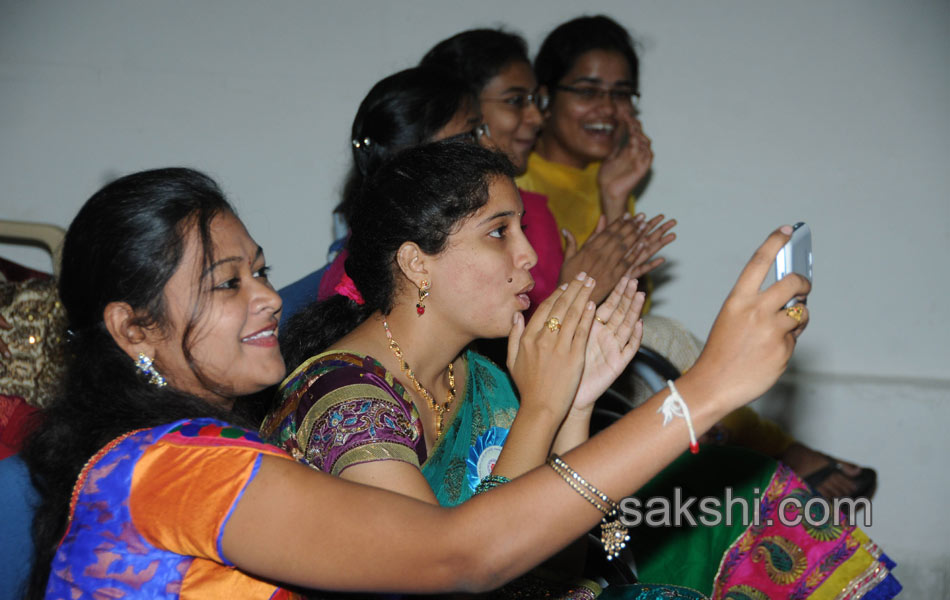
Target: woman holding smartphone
495,65
172,320
386,393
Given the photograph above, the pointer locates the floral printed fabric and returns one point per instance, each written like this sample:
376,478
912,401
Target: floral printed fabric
468,449
814,559
340,409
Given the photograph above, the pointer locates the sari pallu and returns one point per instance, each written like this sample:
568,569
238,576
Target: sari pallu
466,453
759,556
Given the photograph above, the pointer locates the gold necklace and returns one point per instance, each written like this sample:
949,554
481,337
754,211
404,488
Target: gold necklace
438,409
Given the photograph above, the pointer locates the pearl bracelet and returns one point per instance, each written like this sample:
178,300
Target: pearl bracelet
613,535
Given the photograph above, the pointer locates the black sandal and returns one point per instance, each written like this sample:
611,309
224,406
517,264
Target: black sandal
865,482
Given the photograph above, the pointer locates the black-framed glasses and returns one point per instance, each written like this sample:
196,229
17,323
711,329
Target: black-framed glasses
470,136
520,101
591,94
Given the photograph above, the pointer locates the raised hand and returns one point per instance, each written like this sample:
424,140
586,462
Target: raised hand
653,238
753,337
606,254
625,247
546,355
614,340
625,167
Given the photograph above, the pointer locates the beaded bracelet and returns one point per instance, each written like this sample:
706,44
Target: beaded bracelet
613,535
490,482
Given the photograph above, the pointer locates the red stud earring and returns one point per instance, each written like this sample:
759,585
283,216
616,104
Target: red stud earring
423,294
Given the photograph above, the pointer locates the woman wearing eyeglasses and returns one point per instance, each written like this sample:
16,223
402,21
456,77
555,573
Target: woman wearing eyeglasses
592,152
591,155
495,64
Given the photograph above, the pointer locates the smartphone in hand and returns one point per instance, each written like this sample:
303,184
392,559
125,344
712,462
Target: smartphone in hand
794,257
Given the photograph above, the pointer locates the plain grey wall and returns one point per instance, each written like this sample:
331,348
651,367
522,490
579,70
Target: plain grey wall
761,113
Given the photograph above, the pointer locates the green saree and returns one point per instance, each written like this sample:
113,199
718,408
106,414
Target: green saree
468,449
467,452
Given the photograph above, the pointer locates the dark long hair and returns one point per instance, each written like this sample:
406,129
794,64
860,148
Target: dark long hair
477,55
405,109
563,46
422,195
123,246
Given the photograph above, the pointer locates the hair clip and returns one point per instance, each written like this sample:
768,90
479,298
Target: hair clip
347,288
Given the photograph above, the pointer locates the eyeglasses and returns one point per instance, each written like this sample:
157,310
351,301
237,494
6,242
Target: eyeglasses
470,136
521,101
591,94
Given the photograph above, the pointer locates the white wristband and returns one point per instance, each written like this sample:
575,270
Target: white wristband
675,406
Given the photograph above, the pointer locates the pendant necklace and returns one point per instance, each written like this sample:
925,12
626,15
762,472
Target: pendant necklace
439,409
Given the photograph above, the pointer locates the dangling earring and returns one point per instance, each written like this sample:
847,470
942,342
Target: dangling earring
144,364
423,294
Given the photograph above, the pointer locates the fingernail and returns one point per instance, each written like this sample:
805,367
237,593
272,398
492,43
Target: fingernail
590,305
589,282
514,318
564,232
641,216
563,286
627,217
581,276
786,229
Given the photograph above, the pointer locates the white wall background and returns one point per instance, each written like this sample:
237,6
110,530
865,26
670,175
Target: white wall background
761,113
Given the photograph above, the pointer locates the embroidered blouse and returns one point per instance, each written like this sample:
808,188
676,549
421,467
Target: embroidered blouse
341,408
149,511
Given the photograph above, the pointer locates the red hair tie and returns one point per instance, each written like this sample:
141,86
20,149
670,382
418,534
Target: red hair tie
347,288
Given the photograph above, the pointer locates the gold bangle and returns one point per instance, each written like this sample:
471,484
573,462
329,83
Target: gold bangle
613,535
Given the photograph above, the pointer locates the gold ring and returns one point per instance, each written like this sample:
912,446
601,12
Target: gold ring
796,312
599,320
554,324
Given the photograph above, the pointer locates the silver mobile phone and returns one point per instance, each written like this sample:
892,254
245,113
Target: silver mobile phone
794,257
